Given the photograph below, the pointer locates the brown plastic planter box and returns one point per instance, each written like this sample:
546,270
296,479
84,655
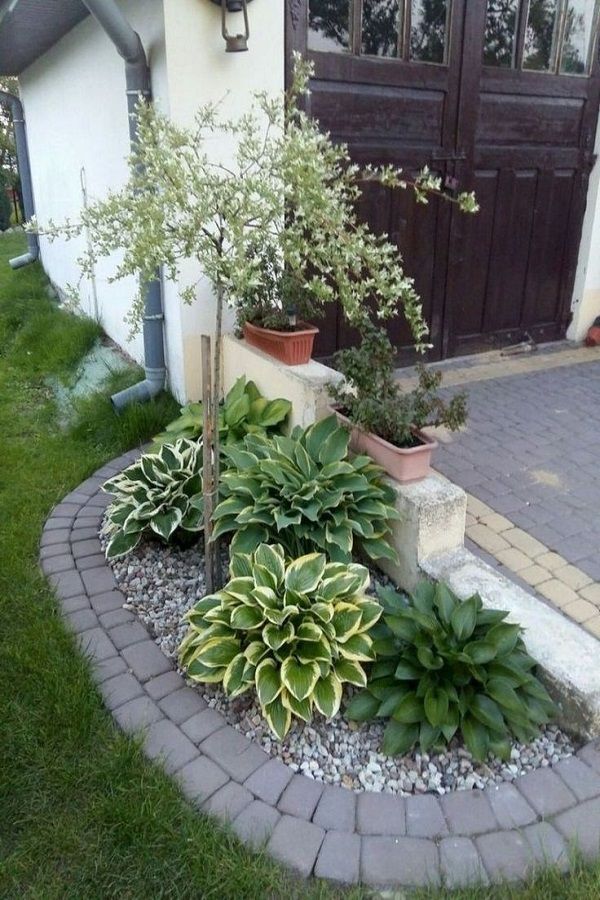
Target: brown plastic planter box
404,464
294,348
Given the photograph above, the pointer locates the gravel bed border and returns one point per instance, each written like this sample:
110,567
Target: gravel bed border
466,837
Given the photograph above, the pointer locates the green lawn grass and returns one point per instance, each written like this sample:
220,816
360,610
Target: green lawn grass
82,813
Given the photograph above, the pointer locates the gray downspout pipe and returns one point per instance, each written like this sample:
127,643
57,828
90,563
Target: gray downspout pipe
16,108
137,79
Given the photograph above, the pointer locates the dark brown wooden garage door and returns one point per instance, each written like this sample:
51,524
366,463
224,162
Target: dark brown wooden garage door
499,94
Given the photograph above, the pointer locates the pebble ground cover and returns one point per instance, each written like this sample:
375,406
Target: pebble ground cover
162,582
83,814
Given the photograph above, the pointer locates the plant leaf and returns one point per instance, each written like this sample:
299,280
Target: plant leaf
268,681
299,678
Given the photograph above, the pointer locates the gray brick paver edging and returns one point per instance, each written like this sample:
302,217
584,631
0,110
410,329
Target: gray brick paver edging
379,839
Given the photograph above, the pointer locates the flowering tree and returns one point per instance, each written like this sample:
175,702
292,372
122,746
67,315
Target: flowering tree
288,193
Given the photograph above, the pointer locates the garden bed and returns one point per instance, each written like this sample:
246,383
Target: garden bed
161,583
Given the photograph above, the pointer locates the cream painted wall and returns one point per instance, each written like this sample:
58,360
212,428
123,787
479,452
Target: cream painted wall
76,112
199,70
586,293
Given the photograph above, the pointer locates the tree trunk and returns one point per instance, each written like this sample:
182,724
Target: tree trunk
207,465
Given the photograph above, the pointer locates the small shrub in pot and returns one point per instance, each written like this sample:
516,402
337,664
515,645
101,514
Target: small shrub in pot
374,403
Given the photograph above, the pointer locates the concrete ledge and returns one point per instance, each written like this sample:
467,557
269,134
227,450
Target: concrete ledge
433,521
567,655
305,386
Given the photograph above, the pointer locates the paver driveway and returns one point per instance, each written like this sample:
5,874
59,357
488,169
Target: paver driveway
529,459
532,452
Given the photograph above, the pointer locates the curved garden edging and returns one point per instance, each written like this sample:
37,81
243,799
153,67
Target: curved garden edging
462,838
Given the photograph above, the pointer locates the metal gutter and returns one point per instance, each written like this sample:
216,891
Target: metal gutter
137,76
18,117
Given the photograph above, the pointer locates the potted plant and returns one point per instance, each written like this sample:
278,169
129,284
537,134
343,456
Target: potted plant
276,318
386,422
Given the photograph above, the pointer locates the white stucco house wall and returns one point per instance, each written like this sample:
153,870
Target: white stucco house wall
72,87
77,127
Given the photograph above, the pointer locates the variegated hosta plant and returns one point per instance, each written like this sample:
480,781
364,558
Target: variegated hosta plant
296,632
160,493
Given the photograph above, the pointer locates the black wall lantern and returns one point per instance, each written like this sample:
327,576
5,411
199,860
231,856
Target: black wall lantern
234,43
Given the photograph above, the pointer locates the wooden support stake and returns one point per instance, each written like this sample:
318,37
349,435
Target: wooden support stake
207,468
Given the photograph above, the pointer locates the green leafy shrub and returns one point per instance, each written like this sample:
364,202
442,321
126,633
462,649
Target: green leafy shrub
244,411
160,493
282,299
373,399
296,632
304,493
446,666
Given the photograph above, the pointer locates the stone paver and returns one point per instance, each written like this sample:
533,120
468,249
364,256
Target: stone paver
580,827
339,857
103,603
118,690
96,644
506,855
255,824
300,797
410,861
547,846
510,807
228,802
424,817
181,705
146,660
381,840
296,843
200,779
527,461
234,752
124,635
202,725
137,715
380,814
336,809
545,791
269,782
468,812
582,780
461,863
161,685
165,741
103,669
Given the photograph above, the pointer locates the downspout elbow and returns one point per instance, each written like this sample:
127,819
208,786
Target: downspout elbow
32,255
145,390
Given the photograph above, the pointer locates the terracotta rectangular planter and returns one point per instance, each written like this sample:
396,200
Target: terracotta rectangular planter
404,464
294,348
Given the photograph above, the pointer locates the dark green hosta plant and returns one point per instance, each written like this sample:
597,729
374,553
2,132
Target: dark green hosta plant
445,667
243,411
296,632
160,493
305,493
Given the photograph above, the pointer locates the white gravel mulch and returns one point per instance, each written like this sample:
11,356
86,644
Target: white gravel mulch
161,583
